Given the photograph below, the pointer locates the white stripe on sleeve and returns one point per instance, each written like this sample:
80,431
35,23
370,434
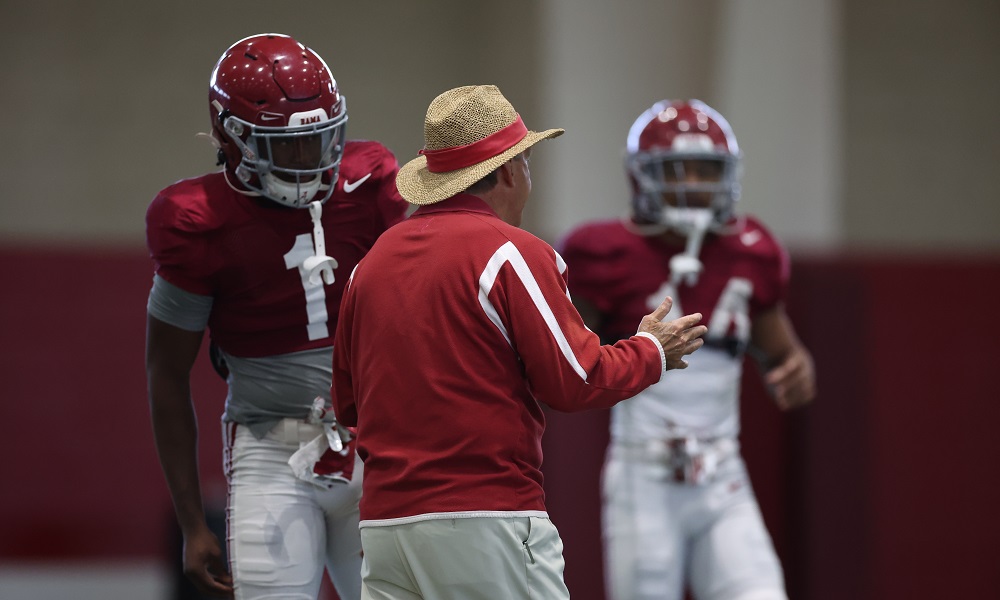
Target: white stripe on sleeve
509,253
561,265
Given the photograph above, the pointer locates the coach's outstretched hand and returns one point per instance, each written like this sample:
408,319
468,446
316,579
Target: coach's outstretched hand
679,337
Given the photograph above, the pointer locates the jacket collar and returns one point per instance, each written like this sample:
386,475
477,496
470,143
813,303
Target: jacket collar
460,202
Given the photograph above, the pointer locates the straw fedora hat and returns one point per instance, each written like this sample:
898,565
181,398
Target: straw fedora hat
468,132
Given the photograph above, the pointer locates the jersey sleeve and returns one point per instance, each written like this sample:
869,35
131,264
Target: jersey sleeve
177,246
772,269
174,306
371,157
566,366
588,274
391,205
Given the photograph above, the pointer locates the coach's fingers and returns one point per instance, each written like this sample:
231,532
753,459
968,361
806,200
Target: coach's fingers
693,345
688,323
674,360
695,332
663,309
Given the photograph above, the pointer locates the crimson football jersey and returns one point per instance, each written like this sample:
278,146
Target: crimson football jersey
626,275
246,252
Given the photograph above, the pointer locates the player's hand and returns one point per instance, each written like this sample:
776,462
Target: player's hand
204,566
793,381
679,337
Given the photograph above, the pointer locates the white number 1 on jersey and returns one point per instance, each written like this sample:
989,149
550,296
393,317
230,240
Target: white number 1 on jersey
315,294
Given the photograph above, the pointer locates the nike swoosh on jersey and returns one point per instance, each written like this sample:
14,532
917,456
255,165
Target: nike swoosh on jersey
350,186
749,238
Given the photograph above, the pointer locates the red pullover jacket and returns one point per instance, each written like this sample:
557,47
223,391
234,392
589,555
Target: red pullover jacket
453,329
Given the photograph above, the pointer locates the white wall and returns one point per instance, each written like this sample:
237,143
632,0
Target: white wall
778,77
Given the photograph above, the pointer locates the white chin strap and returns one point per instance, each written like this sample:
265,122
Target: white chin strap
693,223
319,265
293,194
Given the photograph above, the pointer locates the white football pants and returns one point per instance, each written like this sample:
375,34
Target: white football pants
660,535
283,531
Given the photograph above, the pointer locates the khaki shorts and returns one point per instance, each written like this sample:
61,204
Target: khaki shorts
463,559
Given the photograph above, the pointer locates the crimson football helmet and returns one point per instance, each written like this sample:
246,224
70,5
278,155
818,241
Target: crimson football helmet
279,119
683,163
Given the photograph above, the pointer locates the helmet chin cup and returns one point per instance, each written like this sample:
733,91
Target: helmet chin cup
688,221
296,195
685,268
692,223
320,266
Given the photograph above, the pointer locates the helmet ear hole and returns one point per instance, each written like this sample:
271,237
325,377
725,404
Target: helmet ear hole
220,158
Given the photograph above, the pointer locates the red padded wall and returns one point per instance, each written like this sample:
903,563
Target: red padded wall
81,478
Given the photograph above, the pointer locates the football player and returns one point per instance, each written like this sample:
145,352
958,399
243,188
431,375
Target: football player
678,508
258,254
